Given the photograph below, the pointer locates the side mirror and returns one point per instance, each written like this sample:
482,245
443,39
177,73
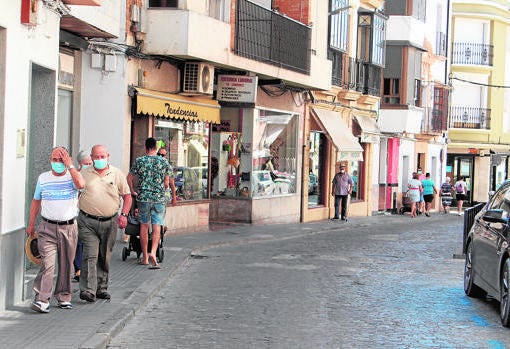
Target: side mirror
495,216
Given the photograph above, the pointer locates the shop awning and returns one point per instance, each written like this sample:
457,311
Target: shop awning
172,106
370,132
340,135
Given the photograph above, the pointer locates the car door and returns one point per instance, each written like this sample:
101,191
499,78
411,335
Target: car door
485,240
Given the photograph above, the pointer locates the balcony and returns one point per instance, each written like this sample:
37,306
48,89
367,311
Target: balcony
364,77
269,37
438,121
472,54
470,117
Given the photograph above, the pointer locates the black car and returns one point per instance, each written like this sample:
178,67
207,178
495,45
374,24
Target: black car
487,265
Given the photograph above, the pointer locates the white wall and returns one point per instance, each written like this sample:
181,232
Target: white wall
24,46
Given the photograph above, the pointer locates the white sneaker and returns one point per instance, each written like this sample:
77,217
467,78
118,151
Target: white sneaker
65,305
40,306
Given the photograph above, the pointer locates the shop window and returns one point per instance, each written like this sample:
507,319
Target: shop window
316,166
274,153
187,146
354,169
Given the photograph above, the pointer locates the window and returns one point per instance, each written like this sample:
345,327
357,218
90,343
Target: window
163,3
419,9
417,93
391,91
274,154
440,109
187,146
371,38
339,24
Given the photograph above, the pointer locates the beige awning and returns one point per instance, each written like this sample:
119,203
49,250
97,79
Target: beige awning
340,135
172,106
370,132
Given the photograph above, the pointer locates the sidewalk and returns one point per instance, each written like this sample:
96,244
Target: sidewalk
91,325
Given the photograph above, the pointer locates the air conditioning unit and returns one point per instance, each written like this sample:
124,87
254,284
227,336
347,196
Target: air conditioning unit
198,78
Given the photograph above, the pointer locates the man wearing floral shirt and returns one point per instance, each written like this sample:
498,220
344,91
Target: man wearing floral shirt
155,175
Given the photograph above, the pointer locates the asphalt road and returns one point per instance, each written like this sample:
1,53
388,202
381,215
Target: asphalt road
390,283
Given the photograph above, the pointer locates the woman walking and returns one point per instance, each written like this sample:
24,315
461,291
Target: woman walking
415,189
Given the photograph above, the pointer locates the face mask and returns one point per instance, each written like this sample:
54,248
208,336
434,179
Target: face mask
100,164
58,167
84,166
342,171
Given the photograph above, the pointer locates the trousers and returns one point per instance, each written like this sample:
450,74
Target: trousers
340,199
55,241
98,239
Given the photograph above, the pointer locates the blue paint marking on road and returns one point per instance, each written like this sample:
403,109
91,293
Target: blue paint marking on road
466,301
495,344
480,321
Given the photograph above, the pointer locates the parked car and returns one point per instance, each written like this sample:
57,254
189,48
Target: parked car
487,264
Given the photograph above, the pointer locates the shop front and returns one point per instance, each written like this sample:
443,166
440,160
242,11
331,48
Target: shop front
182,125
257,149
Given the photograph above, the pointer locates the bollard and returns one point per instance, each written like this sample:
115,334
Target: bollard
394,204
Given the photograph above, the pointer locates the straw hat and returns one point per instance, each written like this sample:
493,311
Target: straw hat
31,249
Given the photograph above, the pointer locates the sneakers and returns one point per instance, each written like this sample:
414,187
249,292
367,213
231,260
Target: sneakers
65,305
40,306
103,295
87,296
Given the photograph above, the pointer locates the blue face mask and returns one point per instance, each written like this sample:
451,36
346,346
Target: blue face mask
100,164
58,167
84,166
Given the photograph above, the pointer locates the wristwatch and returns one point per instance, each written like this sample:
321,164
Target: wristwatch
71,167
124,214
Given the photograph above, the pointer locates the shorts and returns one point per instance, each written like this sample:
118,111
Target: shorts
151,212
460,197
428,197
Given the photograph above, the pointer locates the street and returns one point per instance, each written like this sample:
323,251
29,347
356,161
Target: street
389,284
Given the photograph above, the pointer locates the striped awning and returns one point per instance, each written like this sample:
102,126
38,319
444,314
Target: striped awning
173,106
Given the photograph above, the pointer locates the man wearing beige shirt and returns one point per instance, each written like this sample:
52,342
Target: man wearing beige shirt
98,220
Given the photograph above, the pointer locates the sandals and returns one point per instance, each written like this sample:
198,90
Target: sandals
154,263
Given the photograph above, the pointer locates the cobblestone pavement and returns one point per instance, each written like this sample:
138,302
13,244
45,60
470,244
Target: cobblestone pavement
381,282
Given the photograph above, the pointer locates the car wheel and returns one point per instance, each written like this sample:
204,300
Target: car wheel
504,305
470,288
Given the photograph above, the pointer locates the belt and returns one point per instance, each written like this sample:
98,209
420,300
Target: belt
71,221
97,218
414,188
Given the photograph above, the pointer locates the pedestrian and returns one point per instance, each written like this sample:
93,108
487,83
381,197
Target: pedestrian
106,189
154,175
354,177
341,189
446,195
162,152
460,193
429,190
84,161
415,189
421,204
56,198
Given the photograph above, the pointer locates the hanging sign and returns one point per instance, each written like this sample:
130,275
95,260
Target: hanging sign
237,88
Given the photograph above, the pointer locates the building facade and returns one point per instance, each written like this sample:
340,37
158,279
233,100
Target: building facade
479,127
415,95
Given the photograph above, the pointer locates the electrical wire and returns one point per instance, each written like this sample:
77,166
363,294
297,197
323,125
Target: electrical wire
479,83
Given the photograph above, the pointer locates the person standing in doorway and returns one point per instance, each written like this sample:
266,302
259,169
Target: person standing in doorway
460,193
106,191
155,175
341,189
429,190
56,197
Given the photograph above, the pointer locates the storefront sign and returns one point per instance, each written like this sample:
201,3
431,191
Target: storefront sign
237,88
223,126
173,106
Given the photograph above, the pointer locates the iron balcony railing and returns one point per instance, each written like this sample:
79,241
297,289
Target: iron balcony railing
338,75
471,53
266,36
364,77
470,117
